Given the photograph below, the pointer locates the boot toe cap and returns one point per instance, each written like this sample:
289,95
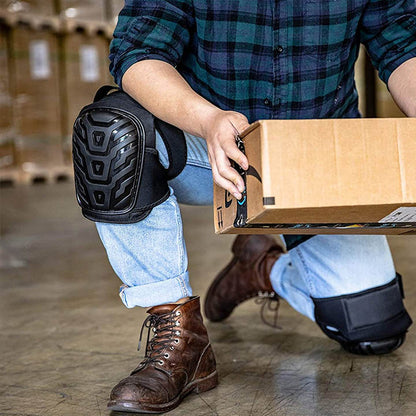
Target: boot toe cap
129,391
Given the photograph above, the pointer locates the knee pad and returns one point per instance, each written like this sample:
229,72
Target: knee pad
373,315
118,176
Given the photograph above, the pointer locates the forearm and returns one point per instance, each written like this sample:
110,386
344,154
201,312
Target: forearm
160,88
402,86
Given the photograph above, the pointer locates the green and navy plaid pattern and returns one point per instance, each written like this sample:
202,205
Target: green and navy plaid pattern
289,59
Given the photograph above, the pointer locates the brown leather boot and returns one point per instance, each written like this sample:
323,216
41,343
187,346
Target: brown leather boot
178,360
246,276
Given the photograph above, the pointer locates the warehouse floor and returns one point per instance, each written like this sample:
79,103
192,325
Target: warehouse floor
66,339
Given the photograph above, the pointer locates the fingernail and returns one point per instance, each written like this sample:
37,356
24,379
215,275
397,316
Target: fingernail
237,196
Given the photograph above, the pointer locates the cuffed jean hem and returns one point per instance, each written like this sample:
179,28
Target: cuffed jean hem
158,293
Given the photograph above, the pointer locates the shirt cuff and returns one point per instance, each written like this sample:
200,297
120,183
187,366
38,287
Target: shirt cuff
394,64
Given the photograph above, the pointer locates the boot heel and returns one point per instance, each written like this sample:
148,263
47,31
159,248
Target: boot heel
207,383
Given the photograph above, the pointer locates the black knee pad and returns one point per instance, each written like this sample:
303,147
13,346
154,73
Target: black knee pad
373,316
118,176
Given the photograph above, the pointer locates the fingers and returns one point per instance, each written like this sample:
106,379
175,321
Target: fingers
233,152
225,176
222,147
227,171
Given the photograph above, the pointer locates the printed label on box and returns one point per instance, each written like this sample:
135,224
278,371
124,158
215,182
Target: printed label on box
89,63
40,63
402,214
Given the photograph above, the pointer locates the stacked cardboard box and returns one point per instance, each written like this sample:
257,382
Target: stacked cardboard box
7,153
29,7
35,92
85,70
82,10
6,123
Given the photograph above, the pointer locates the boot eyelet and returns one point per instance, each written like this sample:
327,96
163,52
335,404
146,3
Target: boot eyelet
161,362
178,313
166,355
171,348
177,332
178,323
176,341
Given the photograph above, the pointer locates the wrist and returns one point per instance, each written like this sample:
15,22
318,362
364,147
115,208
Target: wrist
207,120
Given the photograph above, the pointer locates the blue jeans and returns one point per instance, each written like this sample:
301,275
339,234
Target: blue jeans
150,256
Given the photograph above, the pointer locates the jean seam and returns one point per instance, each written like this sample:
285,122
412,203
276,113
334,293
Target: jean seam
182,285
306,268
179,281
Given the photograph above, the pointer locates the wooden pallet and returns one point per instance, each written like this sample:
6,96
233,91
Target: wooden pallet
9,177
35,175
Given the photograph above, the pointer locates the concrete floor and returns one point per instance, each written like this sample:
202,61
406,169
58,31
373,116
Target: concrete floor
66,339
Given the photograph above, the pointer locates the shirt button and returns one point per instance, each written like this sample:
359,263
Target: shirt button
266,101
278,50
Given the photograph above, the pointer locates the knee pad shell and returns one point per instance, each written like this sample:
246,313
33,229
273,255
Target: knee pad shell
372,315
118,176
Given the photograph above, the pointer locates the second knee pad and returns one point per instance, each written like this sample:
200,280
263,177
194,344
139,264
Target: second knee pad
371,315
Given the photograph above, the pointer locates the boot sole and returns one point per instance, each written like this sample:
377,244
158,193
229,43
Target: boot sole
197,386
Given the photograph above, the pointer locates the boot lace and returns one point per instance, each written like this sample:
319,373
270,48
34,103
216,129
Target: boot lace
165,327
270,303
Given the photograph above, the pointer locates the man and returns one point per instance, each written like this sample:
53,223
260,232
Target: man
210,68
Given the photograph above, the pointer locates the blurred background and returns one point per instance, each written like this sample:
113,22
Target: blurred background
53,57
65,337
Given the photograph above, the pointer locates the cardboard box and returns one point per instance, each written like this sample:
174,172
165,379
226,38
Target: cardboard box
35,91
334,176
6,120
85,70
29,7
83,10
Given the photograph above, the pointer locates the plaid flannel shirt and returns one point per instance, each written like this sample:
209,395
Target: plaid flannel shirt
289,59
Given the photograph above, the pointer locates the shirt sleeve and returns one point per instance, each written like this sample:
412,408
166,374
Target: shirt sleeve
150,29
388,30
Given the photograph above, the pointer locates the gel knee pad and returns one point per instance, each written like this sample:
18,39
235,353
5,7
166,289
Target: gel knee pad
118,176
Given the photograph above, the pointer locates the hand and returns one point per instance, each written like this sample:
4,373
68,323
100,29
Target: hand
219,133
